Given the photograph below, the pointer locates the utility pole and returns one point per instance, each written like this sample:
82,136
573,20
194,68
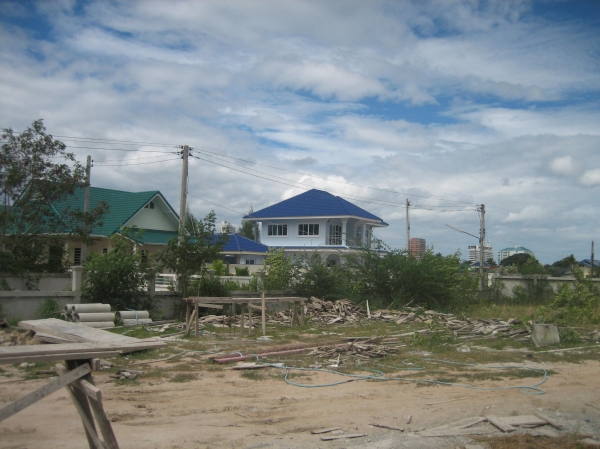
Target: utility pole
184,177
407,227
592,262
481,210
86,204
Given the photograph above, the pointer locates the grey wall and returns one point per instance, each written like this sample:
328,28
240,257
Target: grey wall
511,281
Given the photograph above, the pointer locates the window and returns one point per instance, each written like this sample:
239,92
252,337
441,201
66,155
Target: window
335,234
274,230
144,256
150,205
104,250
250,261
77,256
308,229
358,234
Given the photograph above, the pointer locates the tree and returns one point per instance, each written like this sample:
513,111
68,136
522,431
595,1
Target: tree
32,183
516,259
279,272
319,278
196,246
250,229
118,277
560,265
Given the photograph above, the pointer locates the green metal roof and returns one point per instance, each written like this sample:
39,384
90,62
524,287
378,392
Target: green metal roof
154,237
121,207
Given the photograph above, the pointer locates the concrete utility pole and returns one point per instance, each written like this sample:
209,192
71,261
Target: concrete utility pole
592,261
86,203
481,210
184,177
407,227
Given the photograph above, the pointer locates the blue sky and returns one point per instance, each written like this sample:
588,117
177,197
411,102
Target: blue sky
449,103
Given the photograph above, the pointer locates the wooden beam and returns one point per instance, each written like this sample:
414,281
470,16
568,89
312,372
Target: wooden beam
264,314
59,356
211,306
252,306
197,320
44,391
500,424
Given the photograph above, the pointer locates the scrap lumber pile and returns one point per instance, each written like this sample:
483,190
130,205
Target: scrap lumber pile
15,338
353,351
331,312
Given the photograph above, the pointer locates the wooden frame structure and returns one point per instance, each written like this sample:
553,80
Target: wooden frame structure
80,360
193,304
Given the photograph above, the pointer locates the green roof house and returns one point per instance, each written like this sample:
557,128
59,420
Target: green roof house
149,211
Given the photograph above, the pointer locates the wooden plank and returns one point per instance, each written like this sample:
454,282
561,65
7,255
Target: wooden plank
500,424
90,390
450,432
341,437
75,332
103,422
383,426
83,408
549,420
330,429
25,350
44,391
59,356
263,314
188,324
252,306
211,306
196,321
524,420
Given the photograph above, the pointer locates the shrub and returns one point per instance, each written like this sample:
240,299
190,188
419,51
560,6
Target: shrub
245,271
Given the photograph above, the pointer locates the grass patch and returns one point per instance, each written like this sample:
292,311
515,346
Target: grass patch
524,441
253,374
127,382
183,377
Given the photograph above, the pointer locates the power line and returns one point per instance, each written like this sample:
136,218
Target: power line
140,163
211,153
120,149
301,186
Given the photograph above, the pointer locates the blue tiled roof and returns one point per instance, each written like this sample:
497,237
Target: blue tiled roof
238,243
314,203
588,263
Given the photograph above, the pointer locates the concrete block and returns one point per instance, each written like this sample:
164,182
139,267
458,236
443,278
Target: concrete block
545,334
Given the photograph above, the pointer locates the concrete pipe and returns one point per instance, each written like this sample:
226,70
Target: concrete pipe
99,324
130,323
90,308
69,308
90,317
132,315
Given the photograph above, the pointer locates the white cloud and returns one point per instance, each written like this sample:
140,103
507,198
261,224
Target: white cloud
564,166
591,177
529,213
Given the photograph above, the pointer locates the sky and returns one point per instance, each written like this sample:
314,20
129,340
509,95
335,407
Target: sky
449,104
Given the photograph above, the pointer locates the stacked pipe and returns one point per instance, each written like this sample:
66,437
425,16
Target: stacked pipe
134,317
93,315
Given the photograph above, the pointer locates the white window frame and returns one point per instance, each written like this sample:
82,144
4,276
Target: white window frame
250,261
310,227
279,228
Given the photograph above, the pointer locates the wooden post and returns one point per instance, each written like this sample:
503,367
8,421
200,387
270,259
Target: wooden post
301,313
264,315
294,317
187,312
250,328
242,316
197,322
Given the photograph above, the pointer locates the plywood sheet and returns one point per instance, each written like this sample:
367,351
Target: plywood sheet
74,332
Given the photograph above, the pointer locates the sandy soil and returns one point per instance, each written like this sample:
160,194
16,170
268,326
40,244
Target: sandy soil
222,409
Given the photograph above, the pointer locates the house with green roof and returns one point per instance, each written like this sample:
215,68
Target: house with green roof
148,211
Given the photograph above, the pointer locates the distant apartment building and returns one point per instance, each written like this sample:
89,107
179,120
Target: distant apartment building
511,251
417,248
474,251
227,228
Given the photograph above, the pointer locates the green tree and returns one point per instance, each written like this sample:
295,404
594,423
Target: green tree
119,276
33,180
576,303
395,277
318,278
197,245
279,272
250,229
560,265
516,259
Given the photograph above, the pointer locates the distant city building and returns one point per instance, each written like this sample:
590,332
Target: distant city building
488,253
227,228
507,252
417,247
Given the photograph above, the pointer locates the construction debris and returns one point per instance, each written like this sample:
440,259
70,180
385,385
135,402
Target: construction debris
340,437
340,354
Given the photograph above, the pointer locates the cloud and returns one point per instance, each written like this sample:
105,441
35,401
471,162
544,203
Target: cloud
563,166
591,178
529,213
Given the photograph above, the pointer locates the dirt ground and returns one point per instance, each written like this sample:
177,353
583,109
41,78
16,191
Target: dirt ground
229,409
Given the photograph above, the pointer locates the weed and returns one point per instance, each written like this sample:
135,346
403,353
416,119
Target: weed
568,335
181,377
126,382
49,309
253,374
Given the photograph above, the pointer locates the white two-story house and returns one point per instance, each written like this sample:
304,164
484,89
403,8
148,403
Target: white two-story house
316,221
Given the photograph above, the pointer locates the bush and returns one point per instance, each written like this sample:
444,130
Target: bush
49,309
577,303
242,271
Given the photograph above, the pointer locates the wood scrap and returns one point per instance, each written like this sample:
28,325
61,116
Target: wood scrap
341,437
500,424
383,426
443,402
330,429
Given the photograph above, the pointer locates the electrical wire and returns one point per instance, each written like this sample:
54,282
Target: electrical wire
140,163
326,179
